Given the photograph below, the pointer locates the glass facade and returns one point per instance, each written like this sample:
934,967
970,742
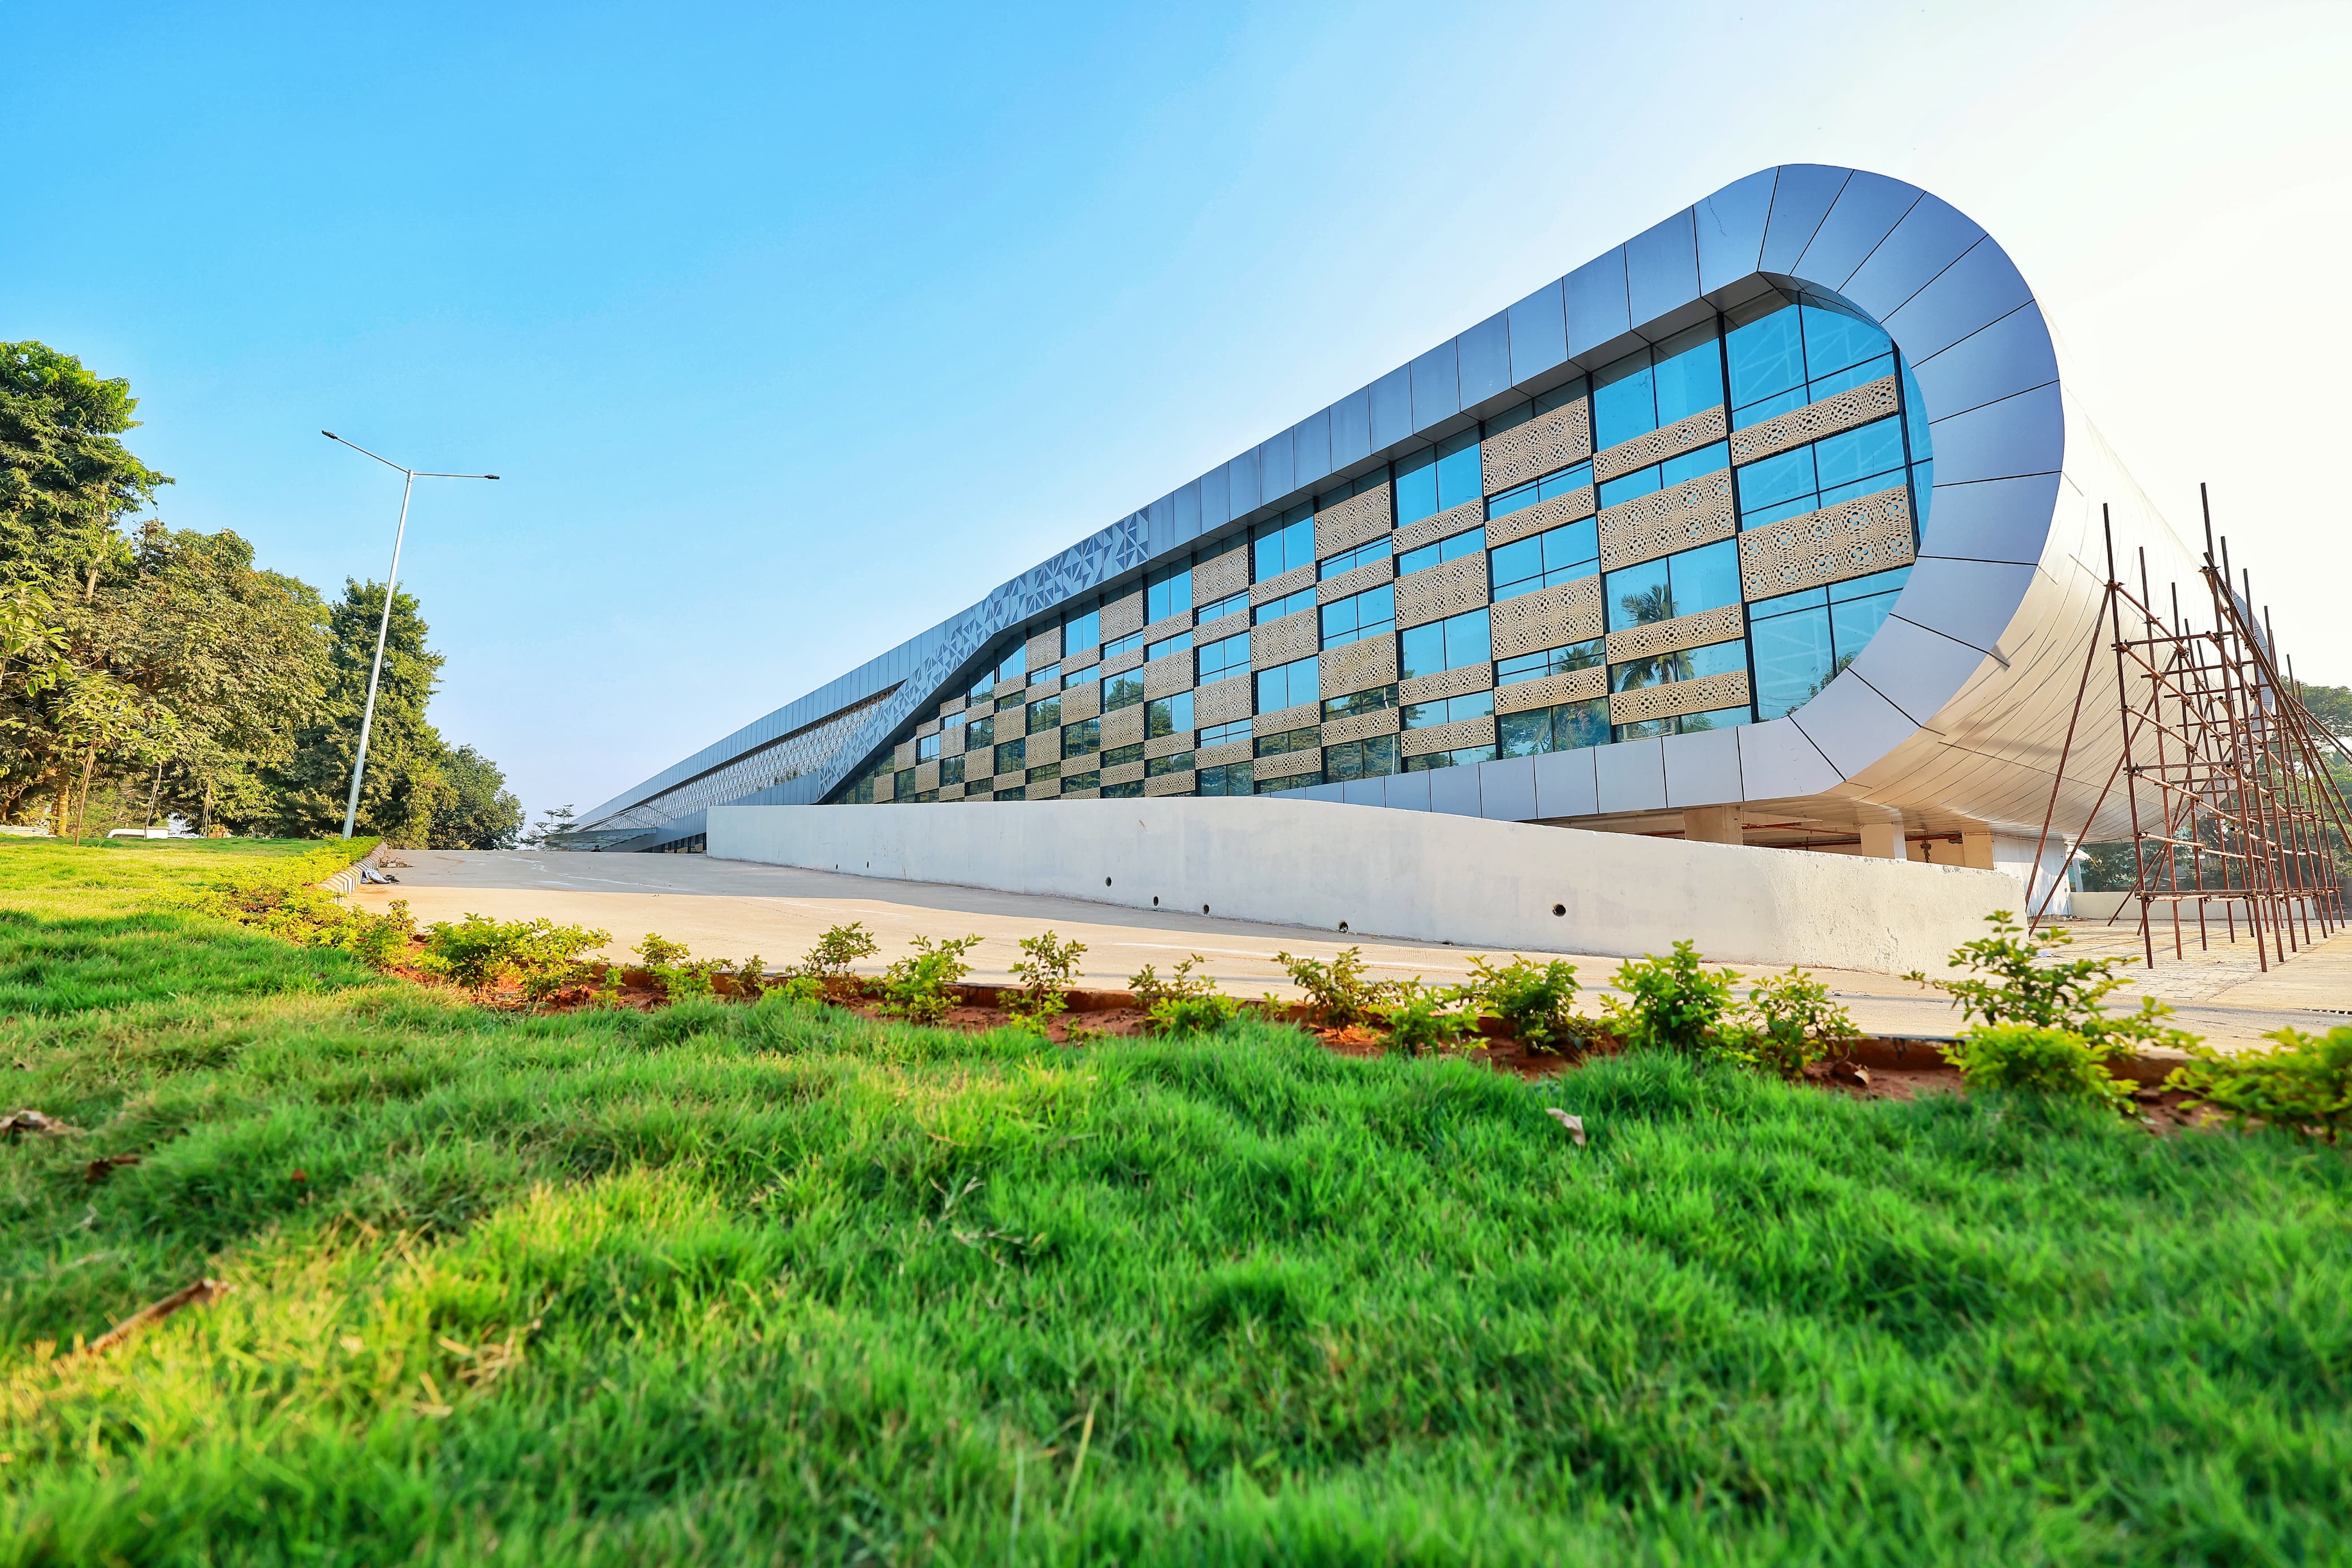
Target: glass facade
1662,610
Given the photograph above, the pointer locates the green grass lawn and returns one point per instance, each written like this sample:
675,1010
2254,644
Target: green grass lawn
775,1285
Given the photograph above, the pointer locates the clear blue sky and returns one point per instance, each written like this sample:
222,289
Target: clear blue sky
793,331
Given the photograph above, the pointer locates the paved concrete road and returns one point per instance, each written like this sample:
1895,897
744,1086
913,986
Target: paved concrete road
731,909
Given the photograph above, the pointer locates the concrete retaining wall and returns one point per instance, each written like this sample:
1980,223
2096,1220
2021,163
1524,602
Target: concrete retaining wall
1431,876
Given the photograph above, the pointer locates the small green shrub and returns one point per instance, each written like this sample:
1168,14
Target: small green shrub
914,988
2018,978
751,977
478,952
608,990
1046,970
798,988
1338,991
1200,1014
2304,1085
1795,1024
1421,1018
674,977
2040,1060
1533,1001
277,897
1672,1004
829,962
1184,984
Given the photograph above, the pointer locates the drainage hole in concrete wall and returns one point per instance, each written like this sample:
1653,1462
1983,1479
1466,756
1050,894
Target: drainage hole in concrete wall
1155,901
1343,925
1559,909
1204,909
1106,882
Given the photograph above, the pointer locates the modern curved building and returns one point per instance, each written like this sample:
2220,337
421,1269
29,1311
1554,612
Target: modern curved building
1775,525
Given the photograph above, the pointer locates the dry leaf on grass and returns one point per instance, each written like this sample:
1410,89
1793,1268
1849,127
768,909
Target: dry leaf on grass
197,1294
1573,1122
104,1166
35,1122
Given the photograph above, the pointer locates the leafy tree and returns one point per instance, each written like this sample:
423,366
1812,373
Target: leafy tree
406,787
478,812
65,478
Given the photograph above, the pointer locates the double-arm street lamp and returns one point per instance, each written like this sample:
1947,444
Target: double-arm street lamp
384,627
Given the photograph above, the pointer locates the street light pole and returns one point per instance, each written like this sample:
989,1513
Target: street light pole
384,625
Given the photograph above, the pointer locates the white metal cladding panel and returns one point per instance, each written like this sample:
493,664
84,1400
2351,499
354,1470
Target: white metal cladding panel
1081,702
1852,539
1844,410
1682,631
1288,764
1175,743
1218,756
1664,701
1123,614
1360,726
1167,626
1044,649
1178,783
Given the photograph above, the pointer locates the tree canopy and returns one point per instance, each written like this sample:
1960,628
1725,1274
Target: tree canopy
147,670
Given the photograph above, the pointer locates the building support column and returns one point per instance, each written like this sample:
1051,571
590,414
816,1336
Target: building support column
1976,848
1712,825
1881,833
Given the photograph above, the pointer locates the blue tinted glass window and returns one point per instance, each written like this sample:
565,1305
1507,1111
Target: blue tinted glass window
1362,555
1168,591
1223,734
1224,658
1013,663
1549,661
1122,691
1546,560
1625,486
1287,686
926,748
1707,459
1167,645
1624,404
1416,487
1803,599
1637,595
1793,660
1368,614
1082,631
1288,604
1168,716
1082,739
1843,461
1230,605
1767,357
1834,339
1448,645
1444,550
1689,373
1864,587
1782,477
1837,382
1560,396
1706,578
1855,621
1460,478
1278,546
1044,716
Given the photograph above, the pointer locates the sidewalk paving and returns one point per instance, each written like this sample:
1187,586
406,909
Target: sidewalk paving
731,909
